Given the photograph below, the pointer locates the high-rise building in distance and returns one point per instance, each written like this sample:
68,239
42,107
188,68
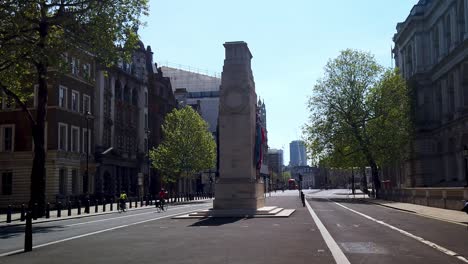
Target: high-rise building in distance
297,153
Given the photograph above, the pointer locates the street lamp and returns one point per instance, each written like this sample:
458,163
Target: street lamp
465,155
147,132
86,176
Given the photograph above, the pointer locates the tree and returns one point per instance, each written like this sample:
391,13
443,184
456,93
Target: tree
34,35
359,114
187,147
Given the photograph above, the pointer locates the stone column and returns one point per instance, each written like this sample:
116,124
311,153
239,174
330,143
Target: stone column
237,187
442,42
465,7
453,28
444,93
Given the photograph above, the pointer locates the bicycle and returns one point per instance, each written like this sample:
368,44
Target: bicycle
161,205
122,206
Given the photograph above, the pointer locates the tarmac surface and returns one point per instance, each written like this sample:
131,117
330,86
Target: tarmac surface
345,230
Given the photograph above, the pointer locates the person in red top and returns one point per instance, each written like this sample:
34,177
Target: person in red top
162,196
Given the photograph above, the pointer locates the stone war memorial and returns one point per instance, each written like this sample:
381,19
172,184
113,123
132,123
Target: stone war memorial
239,189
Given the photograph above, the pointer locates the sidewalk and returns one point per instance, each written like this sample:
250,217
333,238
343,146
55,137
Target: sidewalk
433,212
15,218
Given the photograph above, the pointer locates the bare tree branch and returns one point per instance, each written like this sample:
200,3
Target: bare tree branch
23,106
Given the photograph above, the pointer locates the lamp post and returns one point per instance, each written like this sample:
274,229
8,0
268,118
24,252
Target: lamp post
147,132
465,156
86,176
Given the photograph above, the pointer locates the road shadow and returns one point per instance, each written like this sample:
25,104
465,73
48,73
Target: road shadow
13,231
217,221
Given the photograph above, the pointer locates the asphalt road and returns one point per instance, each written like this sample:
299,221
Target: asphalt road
362,232
12,238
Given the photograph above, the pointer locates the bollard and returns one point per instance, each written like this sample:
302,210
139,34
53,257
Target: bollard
79,207
130,202
59,209
141,202
87,205
104,205
95,206
147,200
69,208
28,233
47,210
22,217
34,211
112,205
8,220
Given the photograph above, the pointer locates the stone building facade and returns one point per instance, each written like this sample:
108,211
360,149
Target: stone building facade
99,120
431,50
68,136
131,102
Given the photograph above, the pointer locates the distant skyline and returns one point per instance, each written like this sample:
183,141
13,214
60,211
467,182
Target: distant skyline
290,41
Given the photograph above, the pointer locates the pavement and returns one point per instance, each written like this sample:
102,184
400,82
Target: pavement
333,228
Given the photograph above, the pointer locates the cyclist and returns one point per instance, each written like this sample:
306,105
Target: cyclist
162,196
123,201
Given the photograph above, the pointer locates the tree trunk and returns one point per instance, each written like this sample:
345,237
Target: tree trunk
364,181
375,178
38,173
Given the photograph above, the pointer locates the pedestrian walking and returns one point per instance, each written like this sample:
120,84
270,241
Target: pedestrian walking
303,199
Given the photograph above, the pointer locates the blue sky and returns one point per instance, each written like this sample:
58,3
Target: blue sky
290,42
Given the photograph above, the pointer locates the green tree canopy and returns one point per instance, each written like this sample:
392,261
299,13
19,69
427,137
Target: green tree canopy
359,114
35,34
187,147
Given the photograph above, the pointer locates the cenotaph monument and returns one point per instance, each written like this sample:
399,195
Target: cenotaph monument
238,190
237,187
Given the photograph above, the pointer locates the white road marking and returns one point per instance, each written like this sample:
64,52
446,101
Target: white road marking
338,225
126,216
93,233
336,251
420,239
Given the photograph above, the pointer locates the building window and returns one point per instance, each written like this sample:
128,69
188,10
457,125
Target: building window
63,96
7,180
7,137
62,136
6,102
75,182
86,104
73,65
75,101
86,70
75,139
62,181
146,120
86,138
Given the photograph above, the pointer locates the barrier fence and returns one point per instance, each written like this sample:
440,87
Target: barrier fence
19,212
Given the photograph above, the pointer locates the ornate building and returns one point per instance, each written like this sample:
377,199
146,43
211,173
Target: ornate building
131,102
431,50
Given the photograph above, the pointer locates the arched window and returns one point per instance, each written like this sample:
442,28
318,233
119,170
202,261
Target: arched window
127,94
118,90
135,97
